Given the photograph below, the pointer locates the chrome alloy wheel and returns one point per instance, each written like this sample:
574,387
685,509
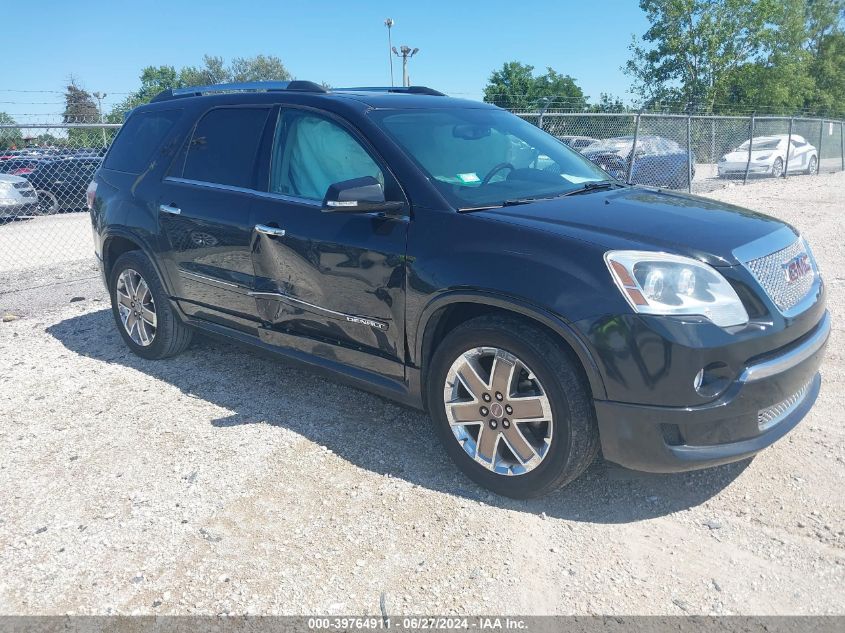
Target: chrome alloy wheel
498,411
136,307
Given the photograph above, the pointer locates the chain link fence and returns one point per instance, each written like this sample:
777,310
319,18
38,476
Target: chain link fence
698,153
45,169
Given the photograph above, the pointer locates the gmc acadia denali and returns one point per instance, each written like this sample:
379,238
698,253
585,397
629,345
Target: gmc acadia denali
450,256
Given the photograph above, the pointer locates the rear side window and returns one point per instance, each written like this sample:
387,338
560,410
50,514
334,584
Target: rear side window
224,145
139,137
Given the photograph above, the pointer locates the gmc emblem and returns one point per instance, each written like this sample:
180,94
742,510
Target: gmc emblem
797,267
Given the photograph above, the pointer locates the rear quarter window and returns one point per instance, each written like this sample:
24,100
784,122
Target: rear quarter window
224,146
138,139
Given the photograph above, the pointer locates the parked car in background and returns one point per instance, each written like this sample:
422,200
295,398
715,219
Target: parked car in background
17,197
768,157
61,183
577,143
18,166
659,161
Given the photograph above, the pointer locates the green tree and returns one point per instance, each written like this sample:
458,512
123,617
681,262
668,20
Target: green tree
259,68
156,79
608,103
213,71
741,55
79,105
515,87
692,46
9,137
828,73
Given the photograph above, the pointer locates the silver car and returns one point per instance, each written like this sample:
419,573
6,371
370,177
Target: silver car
768,157
17,197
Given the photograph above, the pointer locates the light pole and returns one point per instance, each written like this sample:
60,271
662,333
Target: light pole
99,96
405,52
389,24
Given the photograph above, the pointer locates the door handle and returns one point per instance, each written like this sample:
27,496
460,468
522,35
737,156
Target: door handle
269,230
166,208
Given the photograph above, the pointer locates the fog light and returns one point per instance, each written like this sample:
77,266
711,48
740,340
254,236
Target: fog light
712,380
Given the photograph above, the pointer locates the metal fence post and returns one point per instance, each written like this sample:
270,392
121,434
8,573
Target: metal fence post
543,112
689,154
712,140
788,147
842,142
821,138
750,145
633,149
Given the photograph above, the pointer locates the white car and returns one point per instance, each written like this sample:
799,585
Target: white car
17,197
768,157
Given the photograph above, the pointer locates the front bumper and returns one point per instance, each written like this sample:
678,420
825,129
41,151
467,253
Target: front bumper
730,169
18,210
767,401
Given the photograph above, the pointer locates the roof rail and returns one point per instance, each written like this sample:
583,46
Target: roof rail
415,90
245,86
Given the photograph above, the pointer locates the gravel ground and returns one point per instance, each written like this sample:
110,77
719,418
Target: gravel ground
223,482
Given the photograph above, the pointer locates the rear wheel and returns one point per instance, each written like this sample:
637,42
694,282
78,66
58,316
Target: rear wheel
142,310
511,407
48,203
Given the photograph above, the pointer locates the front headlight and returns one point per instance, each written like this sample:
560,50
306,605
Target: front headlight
666,284
764,157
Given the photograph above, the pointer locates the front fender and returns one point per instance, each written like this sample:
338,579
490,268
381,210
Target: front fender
517,306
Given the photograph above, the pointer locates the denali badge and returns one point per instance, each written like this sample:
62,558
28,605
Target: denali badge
370,322
797,267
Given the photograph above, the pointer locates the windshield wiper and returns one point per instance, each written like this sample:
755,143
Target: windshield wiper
593,186
515,201
512,202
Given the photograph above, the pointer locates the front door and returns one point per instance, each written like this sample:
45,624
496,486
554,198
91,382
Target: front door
204,216
330,284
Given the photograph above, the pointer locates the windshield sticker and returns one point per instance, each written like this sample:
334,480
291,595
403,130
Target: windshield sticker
470,177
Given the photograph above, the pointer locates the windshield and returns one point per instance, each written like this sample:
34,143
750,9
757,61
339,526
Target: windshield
760,144
480,157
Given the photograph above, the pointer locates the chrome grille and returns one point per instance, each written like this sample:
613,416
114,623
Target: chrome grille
770,274
768,417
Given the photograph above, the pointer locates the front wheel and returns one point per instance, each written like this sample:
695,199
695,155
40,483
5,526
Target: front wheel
813,166
142,310
777,168
511,406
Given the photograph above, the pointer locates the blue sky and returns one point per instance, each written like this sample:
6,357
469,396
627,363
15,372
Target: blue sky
105,44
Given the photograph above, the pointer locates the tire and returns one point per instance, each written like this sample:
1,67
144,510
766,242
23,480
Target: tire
777,168
574,440
166,335
48,203
813,165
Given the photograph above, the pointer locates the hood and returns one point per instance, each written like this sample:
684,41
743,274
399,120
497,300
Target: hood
647,219
10,178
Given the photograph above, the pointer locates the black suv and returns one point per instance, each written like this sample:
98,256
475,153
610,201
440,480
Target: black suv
450,256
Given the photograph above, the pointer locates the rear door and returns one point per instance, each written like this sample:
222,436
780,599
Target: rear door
330,284
203,209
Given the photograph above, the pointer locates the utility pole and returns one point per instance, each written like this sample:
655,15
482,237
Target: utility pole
389,24
99,96
406,53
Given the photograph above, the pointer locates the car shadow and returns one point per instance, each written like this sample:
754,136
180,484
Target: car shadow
376,434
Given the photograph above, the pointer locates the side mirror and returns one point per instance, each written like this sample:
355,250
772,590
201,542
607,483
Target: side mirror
359,195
